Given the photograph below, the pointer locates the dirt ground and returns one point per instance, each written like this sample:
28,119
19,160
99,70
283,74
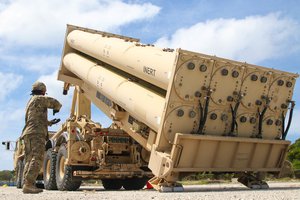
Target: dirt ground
277,190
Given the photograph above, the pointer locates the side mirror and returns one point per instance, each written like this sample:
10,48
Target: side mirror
7,145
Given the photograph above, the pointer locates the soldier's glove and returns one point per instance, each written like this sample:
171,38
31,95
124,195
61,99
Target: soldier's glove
55,111
54,121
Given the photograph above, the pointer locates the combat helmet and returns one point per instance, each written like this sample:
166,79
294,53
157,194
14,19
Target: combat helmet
39,86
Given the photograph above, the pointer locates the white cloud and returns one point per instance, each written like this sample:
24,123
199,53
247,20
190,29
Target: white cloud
41,23
252,39
40,63
12,113
43,63
13,116
8,82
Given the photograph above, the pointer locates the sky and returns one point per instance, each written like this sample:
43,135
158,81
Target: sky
261,32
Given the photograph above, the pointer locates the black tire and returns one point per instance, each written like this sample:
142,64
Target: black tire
64,173
19,175
40,185
112,184
134,183
49,168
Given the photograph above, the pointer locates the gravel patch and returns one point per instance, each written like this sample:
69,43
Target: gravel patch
277,190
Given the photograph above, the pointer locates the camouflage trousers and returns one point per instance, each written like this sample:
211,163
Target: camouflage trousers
34,156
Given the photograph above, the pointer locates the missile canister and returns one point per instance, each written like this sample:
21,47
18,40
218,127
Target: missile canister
217,115
117,88
149,63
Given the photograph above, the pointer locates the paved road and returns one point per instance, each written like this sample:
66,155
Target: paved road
278,190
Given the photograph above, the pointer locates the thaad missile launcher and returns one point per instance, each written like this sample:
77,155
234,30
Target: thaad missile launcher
188,111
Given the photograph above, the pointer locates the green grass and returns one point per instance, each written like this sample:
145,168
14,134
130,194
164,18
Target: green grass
203,182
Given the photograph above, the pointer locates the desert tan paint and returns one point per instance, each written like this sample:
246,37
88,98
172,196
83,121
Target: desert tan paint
189,78
146,62
138,103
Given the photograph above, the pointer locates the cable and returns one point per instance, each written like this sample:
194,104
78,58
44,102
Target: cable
203,113
234,123
290,120
261,117
282,125
201,117
260,121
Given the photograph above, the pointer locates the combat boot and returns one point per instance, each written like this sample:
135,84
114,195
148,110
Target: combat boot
38,189
30,189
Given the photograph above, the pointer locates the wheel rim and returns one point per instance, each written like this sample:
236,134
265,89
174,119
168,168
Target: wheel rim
48,170
62,167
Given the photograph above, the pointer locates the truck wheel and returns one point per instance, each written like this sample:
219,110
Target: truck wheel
64,173
40,185
112,184
134,183
49,170
19,177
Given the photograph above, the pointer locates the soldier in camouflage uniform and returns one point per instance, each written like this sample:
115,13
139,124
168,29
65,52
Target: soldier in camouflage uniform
35,133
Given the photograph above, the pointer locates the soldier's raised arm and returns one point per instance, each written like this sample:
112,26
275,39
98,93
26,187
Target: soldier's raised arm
53,104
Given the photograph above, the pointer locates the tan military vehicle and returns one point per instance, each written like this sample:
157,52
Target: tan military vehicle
174,112
19,161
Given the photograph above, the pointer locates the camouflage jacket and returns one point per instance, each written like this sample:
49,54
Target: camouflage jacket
36,118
